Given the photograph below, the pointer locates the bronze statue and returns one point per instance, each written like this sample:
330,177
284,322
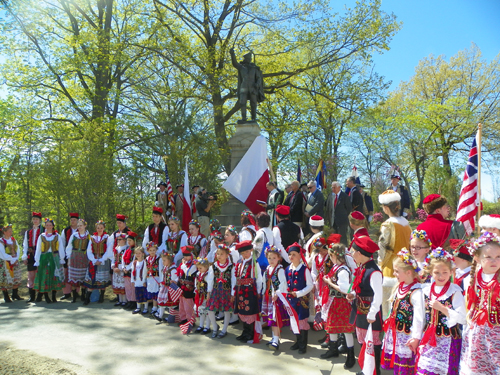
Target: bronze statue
250,85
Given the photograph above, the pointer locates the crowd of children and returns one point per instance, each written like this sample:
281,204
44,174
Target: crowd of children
429,327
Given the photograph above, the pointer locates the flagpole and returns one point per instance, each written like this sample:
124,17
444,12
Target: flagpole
479,135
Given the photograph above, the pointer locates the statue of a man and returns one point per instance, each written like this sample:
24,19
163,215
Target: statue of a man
250,85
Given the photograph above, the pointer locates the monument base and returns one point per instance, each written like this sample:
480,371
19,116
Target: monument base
239,143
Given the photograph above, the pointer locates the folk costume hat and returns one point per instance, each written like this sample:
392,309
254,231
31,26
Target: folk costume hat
131,235
244,246
357,218
283,210
298,249
316,221
433,202
121,236
388,197
460,249
333,238
74,215
490,221
250,217
37,214
365,246
395,174
320,242
157,210
187,250
217,235
120,217
161,184
214,225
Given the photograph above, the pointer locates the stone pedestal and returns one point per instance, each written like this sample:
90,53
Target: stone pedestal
240,142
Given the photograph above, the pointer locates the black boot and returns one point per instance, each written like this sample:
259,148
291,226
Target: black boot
333,350
303,342
87,299
296,346
351,360
15,295
75,296
66,296
101,296
342,344
32,295
244,334
6,297
47,299
84,294
54,296
378,352
39,297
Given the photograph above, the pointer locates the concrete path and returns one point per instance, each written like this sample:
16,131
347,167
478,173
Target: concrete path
102,339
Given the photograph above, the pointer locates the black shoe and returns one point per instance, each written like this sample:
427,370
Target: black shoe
296,346
54,296
325,344
32,295
84,294
47,299
136,311
234,323
158,318
39,297
66,296
198,330
206,331
15,295
6,297
101,296
75,296
333,350
118,304
342,344
351,360
87,299
275,345
303,342
244,335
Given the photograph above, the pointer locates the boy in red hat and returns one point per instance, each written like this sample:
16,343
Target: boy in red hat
187,274
29,247
285,232
248,288
358,224
440,230
463,262
366,294
65,236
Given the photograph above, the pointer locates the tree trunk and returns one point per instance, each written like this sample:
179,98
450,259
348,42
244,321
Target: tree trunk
220,130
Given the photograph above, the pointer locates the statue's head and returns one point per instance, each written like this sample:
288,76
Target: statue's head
247,58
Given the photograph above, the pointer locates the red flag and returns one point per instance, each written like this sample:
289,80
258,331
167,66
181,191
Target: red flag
186,207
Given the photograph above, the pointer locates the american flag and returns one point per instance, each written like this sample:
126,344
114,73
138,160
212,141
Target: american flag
187,327
469,197
173,315
174,292
170,192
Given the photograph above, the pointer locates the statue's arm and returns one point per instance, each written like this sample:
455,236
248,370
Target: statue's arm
235,63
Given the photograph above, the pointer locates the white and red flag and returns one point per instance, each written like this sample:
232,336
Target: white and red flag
248,180
186,207
366,358
469,197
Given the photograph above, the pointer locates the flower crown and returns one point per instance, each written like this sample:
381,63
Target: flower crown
174,218
201,261
231,228
247,213
421,235
100,222
407,258
7,226
439,253
338,252
151,244
194,222
272,249
484,239
318,243
82,221
223,246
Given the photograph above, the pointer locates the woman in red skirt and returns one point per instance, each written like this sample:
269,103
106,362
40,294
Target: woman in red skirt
335,307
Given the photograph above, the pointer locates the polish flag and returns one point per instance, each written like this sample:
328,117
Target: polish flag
366,357
247,182
186,207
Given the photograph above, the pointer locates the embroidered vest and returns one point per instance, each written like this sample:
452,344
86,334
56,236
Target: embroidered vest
174,243
272,281
442,328
489,302
46,245
80,244
158,237
335,279
223,277
403,310
98,248
153,266
167,274
10,249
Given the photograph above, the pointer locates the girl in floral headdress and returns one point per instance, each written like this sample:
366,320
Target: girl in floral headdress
439,350
176,239
248,226
231,239
403,328
420,247
49,258
10,272
481,352
197,240
154,266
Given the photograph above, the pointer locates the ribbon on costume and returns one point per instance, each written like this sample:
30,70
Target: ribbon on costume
294,317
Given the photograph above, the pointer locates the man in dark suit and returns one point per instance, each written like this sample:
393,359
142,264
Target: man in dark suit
296,212
354,195
315,201
337,209
403,192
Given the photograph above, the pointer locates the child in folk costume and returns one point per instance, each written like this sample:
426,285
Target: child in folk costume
300,284
65,236
100,253
463,262
201,294
319,257
403,328
168,276
216,238
176,239
29,247
76,253
273,312
139,280
127,261
317,224
420,247
187,273
118,280
248,226
366,294
10,270
247,291
480,351
336,308
49,258
221,281
358,224
231,239
197,240
154,266
439,350
157,232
